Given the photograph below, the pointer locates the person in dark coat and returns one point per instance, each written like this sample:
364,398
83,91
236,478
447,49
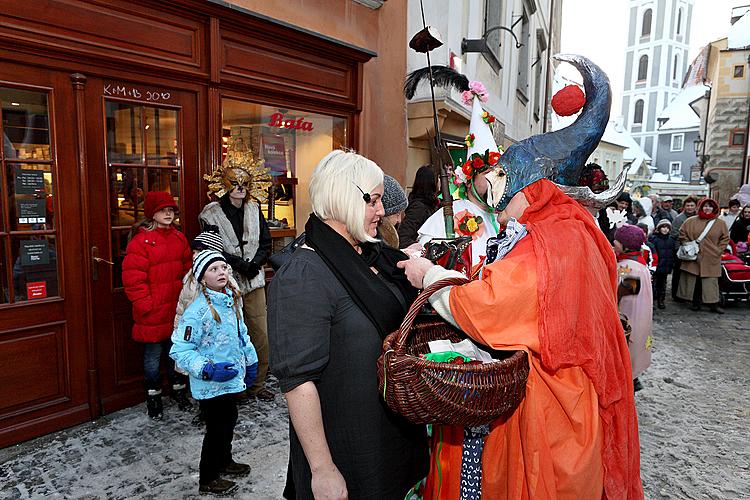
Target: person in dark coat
624,202
423,202
741,226
329,309
663,244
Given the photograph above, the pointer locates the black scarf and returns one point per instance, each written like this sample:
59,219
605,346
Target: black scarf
367,290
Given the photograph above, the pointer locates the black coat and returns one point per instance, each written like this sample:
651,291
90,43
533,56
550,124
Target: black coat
418,211
665,249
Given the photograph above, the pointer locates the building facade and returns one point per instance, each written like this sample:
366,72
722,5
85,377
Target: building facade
655,64
103,102
515,68
727,111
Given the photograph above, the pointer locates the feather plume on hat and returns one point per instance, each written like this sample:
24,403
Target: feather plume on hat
239,167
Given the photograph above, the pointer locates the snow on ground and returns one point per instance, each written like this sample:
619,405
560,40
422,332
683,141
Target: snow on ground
694,414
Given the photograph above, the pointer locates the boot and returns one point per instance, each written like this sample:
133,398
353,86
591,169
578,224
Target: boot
660,304
235,469
637,386
179,396
218,487
153,404
716,309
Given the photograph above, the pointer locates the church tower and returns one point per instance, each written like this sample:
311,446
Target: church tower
655,64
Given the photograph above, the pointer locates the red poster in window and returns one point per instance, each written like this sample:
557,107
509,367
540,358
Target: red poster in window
36,290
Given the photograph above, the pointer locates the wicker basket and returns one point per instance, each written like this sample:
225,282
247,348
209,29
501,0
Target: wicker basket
427,392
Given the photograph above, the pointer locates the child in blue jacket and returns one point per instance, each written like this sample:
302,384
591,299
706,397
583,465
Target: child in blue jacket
211,343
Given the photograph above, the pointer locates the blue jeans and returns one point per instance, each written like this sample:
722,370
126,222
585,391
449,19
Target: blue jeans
152,353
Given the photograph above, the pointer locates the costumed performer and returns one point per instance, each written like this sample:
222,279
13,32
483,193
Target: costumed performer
550,291
471,214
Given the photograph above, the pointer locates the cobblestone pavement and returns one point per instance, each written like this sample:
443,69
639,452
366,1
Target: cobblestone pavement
694,414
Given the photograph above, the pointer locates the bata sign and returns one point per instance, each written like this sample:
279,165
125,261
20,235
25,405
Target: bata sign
278,120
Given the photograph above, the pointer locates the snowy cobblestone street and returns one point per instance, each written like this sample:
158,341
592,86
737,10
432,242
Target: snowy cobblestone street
694,413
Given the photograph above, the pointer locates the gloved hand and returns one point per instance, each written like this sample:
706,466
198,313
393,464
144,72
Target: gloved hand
250,373
219,372
246,268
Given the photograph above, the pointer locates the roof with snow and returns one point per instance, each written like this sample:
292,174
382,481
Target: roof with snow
739,34
678,114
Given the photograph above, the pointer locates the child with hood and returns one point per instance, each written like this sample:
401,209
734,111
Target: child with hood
638,308
664,246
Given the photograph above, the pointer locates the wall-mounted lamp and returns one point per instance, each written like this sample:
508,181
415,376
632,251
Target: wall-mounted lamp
480,45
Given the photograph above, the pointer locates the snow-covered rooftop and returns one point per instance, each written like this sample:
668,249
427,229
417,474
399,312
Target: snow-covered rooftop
678,113
739,33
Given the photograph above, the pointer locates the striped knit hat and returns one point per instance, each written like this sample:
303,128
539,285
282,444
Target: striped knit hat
208,239
203,260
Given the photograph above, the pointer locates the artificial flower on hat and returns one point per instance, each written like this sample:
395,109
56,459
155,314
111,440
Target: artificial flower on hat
466,223
240,168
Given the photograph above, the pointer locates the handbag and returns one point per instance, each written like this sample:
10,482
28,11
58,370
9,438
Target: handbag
451,253
281,257
690,249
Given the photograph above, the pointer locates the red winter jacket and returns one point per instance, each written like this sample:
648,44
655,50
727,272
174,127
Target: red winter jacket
155,262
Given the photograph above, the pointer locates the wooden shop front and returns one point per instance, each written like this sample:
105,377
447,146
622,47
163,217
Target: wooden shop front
101,103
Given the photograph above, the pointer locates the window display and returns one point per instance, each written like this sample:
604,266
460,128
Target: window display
28,248
290,142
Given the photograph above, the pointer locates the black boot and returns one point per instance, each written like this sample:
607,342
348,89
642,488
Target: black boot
716,309
180,396
660,304
153,404
637,386
235,469
218,487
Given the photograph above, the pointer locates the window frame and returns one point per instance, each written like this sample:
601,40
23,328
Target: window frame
672,169
681,137
635,111
741,67
643,66
734,133
650,13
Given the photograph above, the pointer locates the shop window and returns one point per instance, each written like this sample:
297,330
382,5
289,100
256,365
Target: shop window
737,138
143,155
28,229
677,143
290,142
739,71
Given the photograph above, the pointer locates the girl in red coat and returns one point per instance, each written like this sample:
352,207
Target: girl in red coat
157,258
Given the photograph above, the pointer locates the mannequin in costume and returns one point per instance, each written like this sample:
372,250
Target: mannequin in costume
551,292
246,240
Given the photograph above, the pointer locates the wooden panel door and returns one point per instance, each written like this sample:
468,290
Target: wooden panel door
142,138
44,349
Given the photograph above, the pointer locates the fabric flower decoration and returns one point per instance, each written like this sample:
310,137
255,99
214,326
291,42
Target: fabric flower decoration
475,89
469,140
493,158
466,223
477,162
488,118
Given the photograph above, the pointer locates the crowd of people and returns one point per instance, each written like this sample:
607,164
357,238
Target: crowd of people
553,270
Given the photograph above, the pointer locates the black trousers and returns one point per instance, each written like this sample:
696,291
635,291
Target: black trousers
660,285
220,414
675,279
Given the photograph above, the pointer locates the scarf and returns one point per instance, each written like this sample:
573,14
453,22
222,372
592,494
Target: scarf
579,324
636,256
498,247
373,297
712,215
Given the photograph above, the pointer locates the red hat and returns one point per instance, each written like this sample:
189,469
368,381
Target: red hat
155,201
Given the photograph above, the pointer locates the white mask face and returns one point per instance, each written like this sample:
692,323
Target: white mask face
497,181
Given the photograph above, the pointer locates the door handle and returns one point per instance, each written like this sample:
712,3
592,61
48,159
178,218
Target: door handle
95,259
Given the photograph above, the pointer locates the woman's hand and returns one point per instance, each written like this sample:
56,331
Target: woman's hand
328,484
415,269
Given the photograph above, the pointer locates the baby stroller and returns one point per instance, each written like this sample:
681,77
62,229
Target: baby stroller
734,282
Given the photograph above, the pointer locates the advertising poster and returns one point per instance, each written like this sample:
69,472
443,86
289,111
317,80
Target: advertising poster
274,154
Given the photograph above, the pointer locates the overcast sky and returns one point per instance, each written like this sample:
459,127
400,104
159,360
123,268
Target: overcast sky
597,29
